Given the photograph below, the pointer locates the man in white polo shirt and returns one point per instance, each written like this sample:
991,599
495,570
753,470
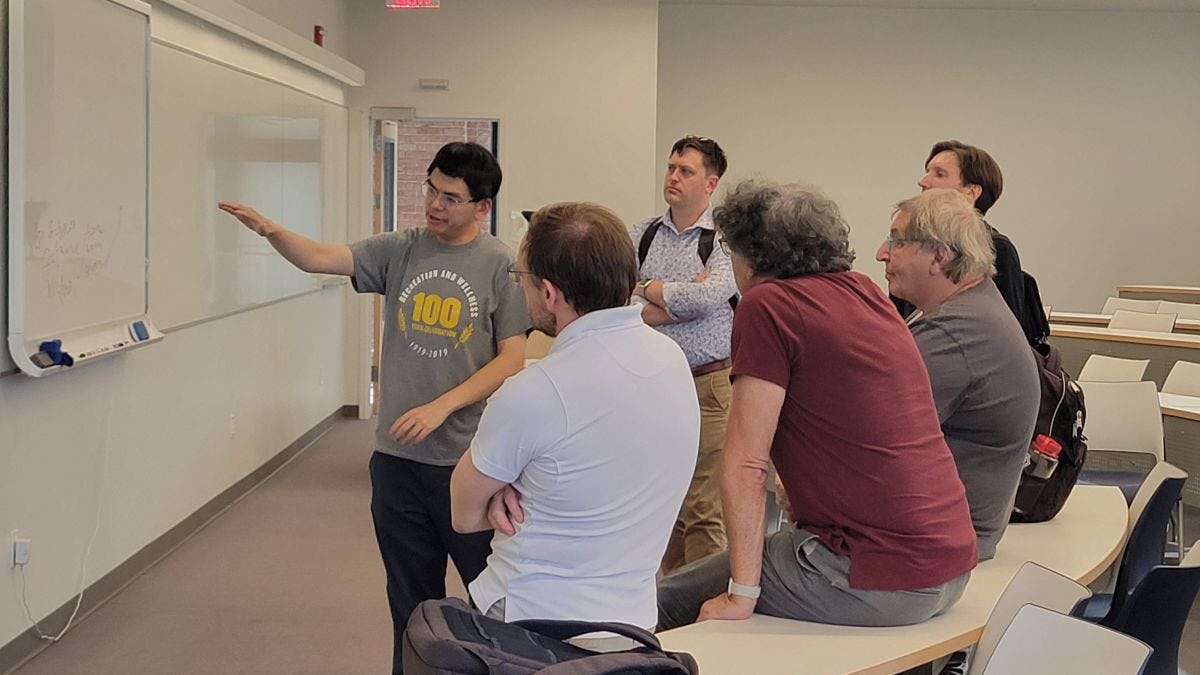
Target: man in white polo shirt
580,477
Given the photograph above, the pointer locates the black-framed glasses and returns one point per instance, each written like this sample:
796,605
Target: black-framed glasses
515,274
446,200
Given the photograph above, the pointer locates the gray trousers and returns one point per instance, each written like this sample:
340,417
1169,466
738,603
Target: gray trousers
804,580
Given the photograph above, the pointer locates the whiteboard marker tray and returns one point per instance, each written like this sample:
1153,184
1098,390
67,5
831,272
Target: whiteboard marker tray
38,357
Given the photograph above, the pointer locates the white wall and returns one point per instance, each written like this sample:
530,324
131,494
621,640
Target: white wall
1091,115
571,82
299,16
139,442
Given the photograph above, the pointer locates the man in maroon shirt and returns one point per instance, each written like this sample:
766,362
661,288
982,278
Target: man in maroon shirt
829,385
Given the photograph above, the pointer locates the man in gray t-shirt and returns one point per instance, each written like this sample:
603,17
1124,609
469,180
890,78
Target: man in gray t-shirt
454,331
939,257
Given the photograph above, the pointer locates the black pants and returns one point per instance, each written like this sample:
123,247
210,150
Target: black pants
410,505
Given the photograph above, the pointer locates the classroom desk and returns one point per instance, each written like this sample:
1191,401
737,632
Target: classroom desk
1184,326
1181,435
1156,292
1081,543
1178,405
1077,343
1181,438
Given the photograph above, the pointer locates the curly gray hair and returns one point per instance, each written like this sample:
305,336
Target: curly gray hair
784,230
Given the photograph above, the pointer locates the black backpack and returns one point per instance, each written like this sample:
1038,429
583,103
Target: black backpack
1061,416
704,248
447,637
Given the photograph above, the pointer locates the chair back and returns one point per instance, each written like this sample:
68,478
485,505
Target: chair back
1101,368
1123,416
1184,379
1185,310
1148,515
1040,642
1113,304
1032,584
1154,323
1158,608
1161,472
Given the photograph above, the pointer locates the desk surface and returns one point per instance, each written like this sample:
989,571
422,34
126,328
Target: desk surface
1183,340
1178,405
1081,543
1088,319
1152,288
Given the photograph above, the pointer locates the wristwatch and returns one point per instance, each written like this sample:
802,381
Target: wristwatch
751,592
641,286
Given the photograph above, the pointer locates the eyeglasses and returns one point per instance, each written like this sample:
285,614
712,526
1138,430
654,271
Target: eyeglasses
515,274
445,200
724,244
894,240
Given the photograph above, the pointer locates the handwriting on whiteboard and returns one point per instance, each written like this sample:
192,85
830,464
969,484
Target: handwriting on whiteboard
70,252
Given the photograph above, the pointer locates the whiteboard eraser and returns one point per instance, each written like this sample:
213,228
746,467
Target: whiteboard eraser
137,330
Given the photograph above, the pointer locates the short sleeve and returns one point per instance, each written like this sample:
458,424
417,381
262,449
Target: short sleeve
511,317
760,343
506,442
374,256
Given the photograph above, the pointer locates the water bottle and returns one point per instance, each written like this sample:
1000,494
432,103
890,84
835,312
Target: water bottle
1043,456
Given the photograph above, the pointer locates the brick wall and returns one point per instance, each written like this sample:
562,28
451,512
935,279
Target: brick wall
417,141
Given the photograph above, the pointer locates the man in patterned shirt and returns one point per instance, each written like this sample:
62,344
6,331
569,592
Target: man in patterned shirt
685,287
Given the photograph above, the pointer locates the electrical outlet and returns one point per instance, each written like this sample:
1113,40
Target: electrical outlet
19,550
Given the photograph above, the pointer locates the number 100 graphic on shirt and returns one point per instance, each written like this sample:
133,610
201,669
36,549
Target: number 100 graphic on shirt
437,314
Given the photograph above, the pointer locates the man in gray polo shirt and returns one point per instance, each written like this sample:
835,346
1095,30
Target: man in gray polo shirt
938,255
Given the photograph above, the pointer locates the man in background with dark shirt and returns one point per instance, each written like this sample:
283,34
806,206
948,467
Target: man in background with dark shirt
973,172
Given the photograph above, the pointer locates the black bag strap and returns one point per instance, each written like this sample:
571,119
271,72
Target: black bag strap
647,239
705,246
612,663
565,629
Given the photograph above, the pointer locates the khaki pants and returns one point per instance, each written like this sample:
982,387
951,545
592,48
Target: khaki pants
700,528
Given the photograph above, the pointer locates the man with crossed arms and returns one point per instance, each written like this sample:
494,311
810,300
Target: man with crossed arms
685,287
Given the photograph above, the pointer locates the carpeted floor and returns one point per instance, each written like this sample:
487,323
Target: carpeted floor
288,580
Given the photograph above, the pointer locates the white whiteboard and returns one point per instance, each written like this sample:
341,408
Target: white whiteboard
220,134
78,77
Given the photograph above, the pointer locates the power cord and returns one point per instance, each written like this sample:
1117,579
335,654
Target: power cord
87,554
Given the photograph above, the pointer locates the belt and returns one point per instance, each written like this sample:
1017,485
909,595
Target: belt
711,367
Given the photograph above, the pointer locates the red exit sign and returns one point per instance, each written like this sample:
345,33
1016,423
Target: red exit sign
414,4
